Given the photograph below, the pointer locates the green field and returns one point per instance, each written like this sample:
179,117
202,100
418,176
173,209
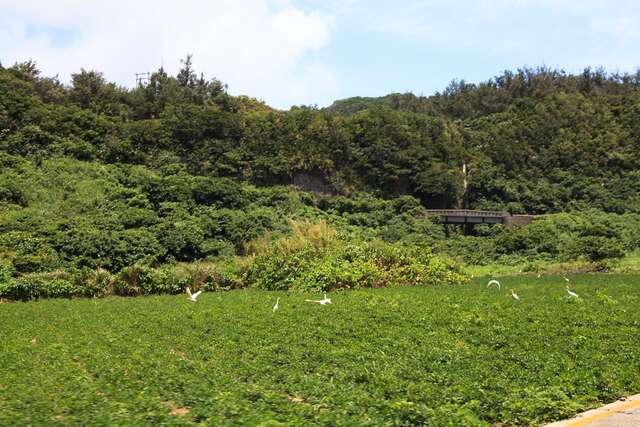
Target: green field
463,355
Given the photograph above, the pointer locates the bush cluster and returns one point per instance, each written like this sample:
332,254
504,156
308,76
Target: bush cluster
99,181
592,236
313,257
348,264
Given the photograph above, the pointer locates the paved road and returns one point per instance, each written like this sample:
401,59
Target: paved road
623,413
622,419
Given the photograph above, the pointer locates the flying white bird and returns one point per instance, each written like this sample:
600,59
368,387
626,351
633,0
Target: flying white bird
324,301
539,275
566,279
193,297
275,307
493,282
571,293
514,295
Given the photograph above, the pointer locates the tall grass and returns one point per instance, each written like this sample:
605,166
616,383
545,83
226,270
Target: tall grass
303,234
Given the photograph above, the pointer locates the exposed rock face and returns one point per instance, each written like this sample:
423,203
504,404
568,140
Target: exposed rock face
511,221
313,182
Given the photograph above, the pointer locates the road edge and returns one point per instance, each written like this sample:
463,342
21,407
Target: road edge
618,407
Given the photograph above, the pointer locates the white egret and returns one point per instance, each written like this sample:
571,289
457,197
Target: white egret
193,297
324,301
571,293
566,279
493,282
514,295
539,275
275,307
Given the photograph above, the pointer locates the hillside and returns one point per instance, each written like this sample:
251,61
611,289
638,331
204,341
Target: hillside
97,178
533,141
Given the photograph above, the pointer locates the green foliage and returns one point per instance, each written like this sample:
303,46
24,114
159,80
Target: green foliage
96,283
535,141
88,215
43,285
593,236
94,176
175,184
6,275
597,248
134,280
10,192
315,259
434,355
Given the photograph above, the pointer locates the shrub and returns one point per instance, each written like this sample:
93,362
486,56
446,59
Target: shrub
134,217
10,191
134,280
103,244
217,248
6,277
169,280
597,248
407,228
229,276
38,262
96,283
213,277
29,254
339,273
221,192
319,260
175,279
34,286
182,239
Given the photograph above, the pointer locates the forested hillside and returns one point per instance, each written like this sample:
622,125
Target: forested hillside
533,141
537,140
95,177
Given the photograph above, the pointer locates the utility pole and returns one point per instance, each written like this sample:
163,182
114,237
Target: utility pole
142,79
465,184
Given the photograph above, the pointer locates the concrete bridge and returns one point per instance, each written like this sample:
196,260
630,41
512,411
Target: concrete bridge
472,217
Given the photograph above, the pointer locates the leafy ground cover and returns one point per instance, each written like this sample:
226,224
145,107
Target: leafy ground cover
440,355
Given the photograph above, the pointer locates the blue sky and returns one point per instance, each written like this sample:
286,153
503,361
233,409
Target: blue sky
312,52
422,45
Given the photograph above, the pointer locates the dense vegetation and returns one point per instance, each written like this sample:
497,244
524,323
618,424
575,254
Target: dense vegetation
175,183
536,140
102,187
91,229
438,356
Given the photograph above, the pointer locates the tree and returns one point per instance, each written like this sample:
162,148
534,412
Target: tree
186,76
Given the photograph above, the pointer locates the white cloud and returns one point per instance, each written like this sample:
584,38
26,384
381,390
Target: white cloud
259,47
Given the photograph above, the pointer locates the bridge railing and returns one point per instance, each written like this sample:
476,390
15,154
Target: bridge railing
466,212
